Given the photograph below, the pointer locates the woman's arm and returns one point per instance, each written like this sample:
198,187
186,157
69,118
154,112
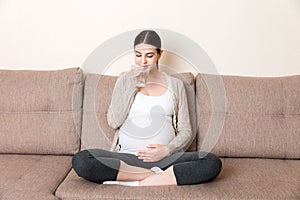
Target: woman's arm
184,132
120,102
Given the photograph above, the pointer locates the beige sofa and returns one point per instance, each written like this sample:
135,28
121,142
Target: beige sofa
47,116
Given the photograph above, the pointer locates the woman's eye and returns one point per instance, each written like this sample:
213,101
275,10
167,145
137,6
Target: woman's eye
150,56
137,55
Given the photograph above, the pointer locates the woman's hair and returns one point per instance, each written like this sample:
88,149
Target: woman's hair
148,37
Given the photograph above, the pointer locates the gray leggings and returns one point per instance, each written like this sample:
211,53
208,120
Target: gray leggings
99,165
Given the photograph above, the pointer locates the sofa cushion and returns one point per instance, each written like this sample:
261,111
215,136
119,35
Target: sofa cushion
40,111
255,116
97,96
239,179
32,176
28,195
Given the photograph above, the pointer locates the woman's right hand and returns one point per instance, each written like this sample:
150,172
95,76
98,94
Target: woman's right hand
155,153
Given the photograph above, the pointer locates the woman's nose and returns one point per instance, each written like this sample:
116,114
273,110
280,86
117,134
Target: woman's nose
144,60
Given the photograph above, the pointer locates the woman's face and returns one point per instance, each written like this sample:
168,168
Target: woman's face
146,54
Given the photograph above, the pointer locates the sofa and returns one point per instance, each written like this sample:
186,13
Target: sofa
46,116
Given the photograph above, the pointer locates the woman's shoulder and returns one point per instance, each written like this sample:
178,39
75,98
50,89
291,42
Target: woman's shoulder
124,77
124,74
174,81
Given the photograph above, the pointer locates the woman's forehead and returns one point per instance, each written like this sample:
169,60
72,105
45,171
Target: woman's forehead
145,47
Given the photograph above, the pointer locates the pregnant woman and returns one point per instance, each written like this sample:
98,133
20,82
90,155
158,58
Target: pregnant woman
152,131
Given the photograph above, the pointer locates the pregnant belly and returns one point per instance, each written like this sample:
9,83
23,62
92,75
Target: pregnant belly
133,142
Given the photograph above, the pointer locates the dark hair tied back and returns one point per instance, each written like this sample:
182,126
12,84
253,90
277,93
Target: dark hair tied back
148,37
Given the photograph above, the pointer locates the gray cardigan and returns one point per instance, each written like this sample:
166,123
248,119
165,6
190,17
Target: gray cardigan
123,96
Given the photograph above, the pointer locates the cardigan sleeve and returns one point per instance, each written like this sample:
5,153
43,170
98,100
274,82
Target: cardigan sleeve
120,101
184,133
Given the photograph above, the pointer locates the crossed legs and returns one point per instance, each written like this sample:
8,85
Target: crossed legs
146,176
132,173
179,169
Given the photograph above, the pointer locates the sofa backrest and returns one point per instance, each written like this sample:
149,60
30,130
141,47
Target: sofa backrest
97,96
40,111
261,115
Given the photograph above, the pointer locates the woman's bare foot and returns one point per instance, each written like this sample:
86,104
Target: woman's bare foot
132,173
166,177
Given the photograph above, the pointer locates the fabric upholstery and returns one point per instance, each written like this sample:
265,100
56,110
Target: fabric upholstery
255,116
40,111
31,176
28,195
97,96
239,179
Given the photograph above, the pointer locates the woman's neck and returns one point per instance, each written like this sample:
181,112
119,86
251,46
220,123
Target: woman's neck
155,75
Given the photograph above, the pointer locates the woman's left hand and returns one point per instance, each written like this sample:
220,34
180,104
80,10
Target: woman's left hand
155,153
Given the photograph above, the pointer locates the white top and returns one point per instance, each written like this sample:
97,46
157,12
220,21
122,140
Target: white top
148,122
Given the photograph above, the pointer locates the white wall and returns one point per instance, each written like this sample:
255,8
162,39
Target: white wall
242,37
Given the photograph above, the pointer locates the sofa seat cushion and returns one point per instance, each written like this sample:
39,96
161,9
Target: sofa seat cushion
32,176
240,178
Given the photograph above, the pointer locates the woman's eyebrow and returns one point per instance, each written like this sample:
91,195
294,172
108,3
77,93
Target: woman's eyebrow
148,53
141,53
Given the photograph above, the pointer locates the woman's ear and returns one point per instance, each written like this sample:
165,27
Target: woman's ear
160,53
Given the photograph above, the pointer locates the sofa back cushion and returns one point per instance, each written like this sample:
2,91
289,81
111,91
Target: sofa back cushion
256,116
40,111
97,96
